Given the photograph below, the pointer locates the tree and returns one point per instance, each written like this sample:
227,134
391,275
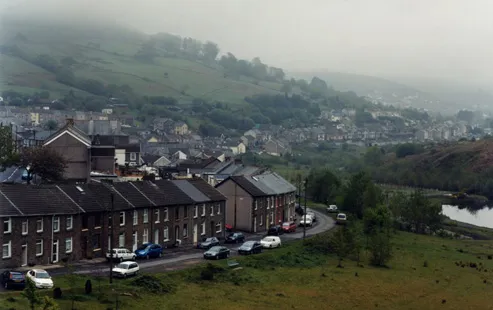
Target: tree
211,50
8,157
44,162
421,213
323,185
51,125
49,304
340,242
378,229
286,88
354,194
31,293
357,244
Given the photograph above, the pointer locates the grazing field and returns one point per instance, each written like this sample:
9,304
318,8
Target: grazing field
425,273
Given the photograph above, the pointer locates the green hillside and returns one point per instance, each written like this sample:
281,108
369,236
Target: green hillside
108,55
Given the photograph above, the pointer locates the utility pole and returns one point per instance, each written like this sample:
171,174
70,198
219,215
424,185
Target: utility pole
111,238
304,226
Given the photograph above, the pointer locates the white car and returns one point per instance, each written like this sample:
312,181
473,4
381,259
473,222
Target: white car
341,218
313,215
121,254
40,278
271,242
125,269
306,220
332,209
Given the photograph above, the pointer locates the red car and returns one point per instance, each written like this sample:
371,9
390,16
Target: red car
289,227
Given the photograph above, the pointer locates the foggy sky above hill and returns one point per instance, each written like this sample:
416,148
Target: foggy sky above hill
440,38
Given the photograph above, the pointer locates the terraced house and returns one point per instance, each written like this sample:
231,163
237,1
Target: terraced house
255,202
48,223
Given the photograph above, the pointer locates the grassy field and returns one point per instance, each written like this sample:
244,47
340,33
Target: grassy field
425,273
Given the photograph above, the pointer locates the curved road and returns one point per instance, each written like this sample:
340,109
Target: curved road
184,257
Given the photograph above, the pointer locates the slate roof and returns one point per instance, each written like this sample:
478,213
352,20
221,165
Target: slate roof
265,184
244,183
173,194
191,191
209,191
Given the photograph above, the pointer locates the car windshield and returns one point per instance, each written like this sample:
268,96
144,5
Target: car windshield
341,216
17,276
286,224
248,243
233,235
209,239
143,247
268,239
42,275
122,266
215,249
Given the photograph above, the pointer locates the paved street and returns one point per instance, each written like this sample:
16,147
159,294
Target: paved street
183,257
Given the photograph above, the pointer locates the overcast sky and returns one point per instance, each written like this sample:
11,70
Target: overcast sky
434,38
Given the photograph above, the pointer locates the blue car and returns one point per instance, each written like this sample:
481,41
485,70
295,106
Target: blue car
148,250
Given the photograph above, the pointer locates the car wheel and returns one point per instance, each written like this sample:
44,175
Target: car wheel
217,256
6,285
270,246
124,275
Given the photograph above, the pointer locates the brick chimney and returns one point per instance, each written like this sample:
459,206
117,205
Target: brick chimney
70,122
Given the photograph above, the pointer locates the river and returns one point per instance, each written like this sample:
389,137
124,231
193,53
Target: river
483,217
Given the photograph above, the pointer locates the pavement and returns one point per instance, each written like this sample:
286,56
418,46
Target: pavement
178,258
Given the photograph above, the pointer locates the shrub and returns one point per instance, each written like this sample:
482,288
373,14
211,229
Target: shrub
88,287
207,275
57,293
154,285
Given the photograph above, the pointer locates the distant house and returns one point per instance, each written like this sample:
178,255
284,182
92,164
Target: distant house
275,148
236,147
155,160
181,128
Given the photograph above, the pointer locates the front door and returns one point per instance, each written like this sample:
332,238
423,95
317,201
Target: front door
55,252
136,241
24,255
195,237
213,226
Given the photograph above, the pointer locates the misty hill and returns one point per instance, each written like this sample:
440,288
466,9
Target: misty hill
60,57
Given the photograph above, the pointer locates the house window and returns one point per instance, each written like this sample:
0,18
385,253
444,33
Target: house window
195,211
133,156
185,212
185,230
256,204
156,216
7,226
145,236
156,236
122,218
218,209
203,210
219,227
39,247
212,210
202,228
56,224
7,250
25,225
261,221
121,240
69,222
166,216
136,217
177,213
272,217
145,216
166,234
39,225
68,245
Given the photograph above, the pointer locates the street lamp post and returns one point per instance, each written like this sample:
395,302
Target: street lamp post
111,238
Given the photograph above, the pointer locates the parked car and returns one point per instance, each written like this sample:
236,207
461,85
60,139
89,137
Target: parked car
341,219
313,215
40,278
332,209
148,250
299,210
289,227
275,230
125,269
120,254
270,242
306,220
13,279
217,252
235,238
208,243
250,247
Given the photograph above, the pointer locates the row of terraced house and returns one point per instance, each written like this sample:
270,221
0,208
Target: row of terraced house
51,223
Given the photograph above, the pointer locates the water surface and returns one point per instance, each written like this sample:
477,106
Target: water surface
482,217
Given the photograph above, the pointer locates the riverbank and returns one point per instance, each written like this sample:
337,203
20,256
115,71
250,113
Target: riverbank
426,272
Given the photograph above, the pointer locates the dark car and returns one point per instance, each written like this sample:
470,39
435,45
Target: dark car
208,243
235,238
217,252
299,210
13,279
275,230
148,250
250,247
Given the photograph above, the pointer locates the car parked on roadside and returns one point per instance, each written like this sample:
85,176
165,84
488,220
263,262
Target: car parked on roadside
313,215
289,227
40,278
250,247
306,220
332,209
275,230
235,237
217,252
270,242
13,279
121,254
126,269
208,243
341,219
148,250
299,210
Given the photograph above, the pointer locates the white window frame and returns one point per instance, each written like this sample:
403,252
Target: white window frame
220,227
185,230
195,211
202,229
145,216
56,219
218,209
120,243
135,217
69,219
272,217
203,209
40,242
25,227
261,221
9,222
212,210
145,236
70,241
166,214
156,216
133,156
9,249
166,233
256,204
37,222
122,218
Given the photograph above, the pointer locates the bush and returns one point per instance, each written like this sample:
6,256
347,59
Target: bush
88,287
57,293
207,275
154,285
